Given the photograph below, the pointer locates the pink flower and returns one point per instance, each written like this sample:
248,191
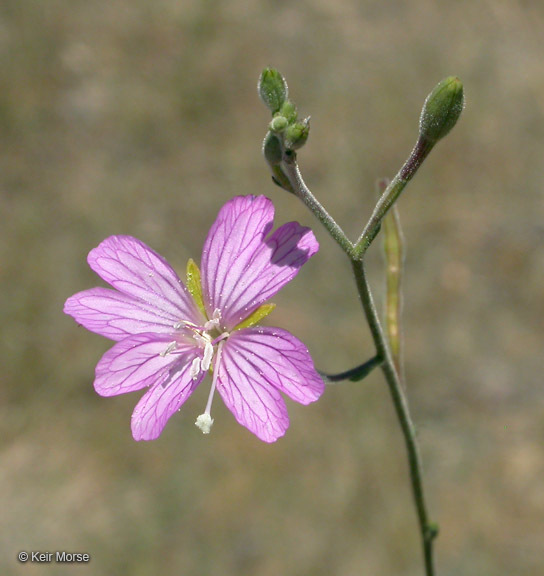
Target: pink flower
170,335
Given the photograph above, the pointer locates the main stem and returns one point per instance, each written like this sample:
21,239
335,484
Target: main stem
355,252
427,530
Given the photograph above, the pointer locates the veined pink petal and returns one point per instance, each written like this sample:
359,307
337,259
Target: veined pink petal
257,406
140,361
156,407
241,267
238,231
115,315
256,364
136,270
276,262
277,357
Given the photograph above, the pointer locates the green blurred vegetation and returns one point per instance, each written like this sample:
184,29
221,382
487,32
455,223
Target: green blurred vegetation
142,118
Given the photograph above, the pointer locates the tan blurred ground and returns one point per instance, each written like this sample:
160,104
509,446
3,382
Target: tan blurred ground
142,118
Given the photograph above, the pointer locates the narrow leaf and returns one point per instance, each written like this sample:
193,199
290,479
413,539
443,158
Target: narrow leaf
354,374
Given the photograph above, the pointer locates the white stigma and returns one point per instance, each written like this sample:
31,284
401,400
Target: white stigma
204,422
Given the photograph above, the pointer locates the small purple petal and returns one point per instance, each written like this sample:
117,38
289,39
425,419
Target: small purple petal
136,362
136,270
156,407
277,357
116,315
241,268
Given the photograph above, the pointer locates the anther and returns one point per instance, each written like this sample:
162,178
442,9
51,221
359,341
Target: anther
169,348
214,322
194,371
208,356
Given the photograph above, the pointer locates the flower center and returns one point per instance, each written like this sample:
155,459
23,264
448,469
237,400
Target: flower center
210,339
206,337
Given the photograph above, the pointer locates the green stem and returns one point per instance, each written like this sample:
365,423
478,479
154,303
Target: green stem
428,531
392,192
290,168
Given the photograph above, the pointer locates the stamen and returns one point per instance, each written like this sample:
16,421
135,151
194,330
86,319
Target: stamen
201,339
184,324
220,337
169,348
194,371
214,322
208,355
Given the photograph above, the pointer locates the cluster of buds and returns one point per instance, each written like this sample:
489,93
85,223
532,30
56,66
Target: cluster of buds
286,133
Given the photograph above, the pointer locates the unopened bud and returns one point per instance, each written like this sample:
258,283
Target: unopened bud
442,109
272,89
289,111
297,134
278,124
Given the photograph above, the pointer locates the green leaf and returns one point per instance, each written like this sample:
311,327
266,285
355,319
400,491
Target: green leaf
194,286
256,317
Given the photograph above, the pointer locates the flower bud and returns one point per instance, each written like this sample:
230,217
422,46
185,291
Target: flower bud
272,150
289,111
278,124
297,134
441,109
272,89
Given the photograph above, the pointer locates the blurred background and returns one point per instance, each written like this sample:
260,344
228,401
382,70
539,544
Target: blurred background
142,118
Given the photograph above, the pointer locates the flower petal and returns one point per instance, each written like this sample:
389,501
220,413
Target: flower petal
116,315
260,408
157,406
236,234
136,270
139,361
277,357
241,268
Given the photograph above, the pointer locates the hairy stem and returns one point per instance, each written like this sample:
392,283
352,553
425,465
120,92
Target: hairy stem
290,169
392,192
